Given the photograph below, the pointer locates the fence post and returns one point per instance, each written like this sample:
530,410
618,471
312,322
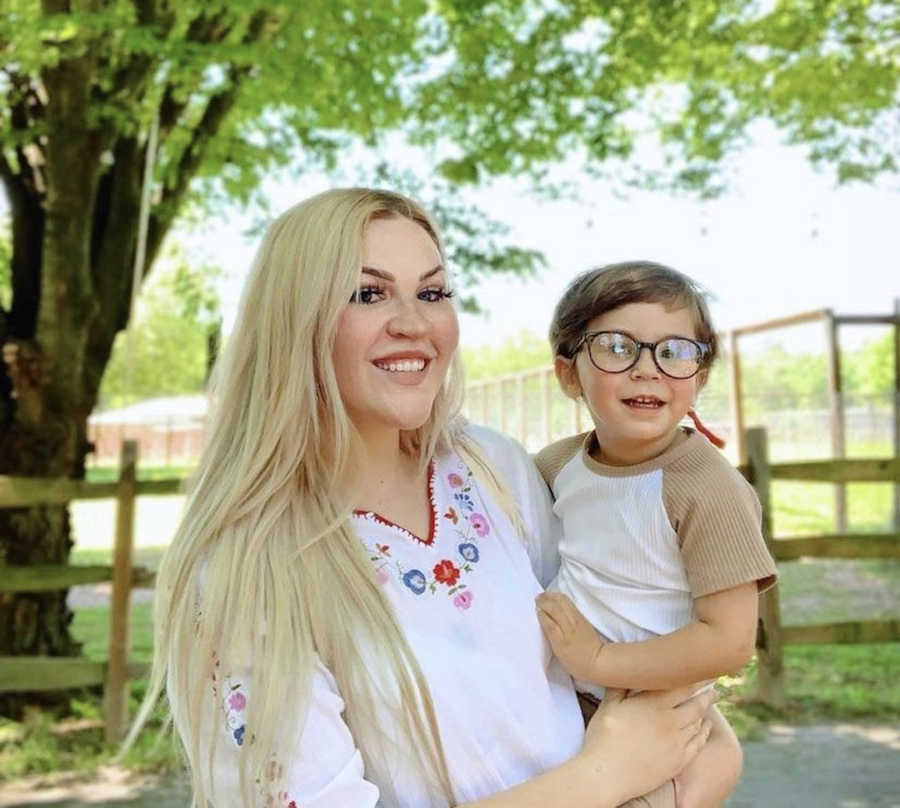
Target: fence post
769,656
896,407
546,407
737,398
836,411
115,697
521,420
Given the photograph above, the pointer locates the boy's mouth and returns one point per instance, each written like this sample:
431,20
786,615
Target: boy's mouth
644,402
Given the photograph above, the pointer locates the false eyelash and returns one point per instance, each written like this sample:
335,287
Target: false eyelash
354,298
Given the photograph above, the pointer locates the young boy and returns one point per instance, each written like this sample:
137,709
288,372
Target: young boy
662,557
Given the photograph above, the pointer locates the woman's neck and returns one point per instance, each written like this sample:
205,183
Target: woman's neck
381,469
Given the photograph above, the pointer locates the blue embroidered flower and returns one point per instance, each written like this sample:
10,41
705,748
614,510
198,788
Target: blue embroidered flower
468,551
415,580
239,734
464,500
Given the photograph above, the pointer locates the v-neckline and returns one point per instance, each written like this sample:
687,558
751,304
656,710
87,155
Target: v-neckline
432,526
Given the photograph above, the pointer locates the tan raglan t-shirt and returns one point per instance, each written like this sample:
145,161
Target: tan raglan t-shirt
641,542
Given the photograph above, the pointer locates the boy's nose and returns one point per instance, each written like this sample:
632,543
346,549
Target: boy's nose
645,367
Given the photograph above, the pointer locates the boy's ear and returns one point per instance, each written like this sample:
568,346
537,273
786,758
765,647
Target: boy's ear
567,376
702,377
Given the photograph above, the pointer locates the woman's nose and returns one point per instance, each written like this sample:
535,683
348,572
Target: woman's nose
407,321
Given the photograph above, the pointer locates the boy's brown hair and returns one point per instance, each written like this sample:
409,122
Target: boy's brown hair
609,287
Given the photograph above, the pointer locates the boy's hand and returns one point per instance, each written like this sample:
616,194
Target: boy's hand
573,639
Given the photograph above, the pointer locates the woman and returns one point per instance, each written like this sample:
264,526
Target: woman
316,653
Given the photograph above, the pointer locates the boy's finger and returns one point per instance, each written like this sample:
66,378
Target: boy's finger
548,623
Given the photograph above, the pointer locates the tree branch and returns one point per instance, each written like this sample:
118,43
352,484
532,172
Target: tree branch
260,25
27,245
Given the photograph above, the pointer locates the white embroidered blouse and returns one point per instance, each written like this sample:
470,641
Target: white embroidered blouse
464,597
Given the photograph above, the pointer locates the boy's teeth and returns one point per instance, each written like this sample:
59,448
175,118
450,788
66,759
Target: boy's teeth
402,365
644,401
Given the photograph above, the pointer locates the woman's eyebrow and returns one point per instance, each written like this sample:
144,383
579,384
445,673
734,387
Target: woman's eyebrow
387,276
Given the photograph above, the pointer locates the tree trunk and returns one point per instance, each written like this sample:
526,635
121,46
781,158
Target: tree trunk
34,623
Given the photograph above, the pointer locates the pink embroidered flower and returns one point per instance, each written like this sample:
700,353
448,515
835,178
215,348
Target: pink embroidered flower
482,528
381,576
237,701
446,573
455,480
463,600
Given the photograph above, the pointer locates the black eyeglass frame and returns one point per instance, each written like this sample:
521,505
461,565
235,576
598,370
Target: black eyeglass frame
590,336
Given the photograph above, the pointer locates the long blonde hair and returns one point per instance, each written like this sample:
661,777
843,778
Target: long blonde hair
265,565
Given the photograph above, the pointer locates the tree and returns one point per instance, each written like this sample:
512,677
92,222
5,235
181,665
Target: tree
240,86
176,315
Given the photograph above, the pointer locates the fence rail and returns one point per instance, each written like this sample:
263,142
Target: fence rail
40,673
56,673
772,636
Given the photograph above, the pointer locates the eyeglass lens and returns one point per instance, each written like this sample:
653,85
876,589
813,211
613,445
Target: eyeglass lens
615,353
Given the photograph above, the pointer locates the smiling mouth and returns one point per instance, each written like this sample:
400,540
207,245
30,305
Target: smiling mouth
401,365
644,402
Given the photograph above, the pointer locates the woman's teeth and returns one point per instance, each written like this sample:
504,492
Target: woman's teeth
401,365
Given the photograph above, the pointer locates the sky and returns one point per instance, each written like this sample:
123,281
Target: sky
783,240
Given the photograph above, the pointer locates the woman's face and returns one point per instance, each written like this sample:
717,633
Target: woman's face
396,337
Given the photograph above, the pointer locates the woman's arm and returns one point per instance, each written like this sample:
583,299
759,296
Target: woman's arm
719,640
631,746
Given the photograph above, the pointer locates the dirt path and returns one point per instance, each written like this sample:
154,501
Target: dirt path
821,766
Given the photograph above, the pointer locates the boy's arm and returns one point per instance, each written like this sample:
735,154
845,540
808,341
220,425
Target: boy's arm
720,639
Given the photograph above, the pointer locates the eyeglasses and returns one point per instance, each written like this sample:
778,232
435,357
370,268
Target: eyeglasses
615,352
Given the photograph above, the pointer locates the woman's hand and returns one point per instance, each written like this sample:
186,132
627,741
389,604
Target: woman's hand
641,741
575,642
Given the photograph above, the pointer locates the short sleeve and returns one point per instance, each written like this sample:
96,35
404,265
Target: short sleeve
716,515
323,770
517,471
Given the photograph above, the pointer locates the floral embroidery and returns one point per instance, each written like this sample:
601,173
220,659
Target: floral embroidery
480,524
464,500
446,573
234,703
415,580
449,573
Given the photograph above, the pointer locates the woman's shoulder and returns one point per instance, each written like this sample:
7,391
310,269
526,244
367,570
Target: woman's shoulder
502,451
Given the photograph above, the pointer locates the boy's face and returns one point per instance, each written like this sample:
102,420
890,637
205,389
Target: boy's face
636,412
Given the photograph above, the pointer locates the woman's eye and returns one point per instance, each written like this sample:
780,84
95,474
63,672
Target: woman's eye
435,294
367,294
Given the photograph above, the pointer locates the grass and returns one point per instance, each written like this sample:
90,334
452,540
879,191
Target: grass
808,508
822,682
45,742
109,474
148,557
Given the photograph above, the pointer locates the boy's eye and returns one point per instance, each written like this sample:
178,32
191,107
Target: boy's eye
667,351
618,347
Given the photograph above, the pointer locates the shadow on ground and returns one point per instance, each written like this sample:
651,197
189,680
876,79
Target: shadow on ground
821,766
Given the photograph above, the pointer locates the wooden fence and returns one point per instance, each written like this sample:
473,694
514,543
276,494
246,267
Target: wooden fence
772,635
58,673
36,673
